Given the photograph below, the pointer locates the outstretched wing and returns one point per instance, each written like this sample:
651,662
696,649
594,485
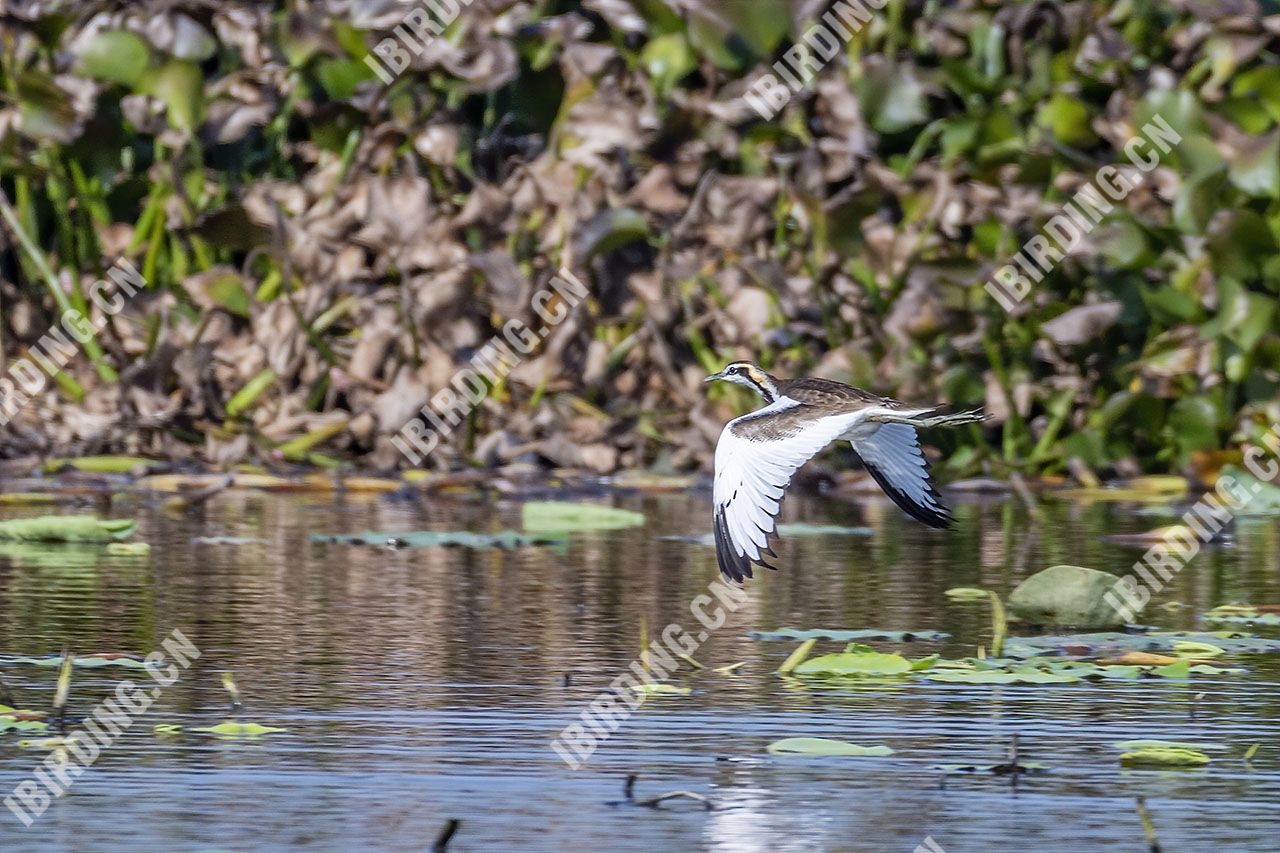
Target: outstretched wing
756,456
892,456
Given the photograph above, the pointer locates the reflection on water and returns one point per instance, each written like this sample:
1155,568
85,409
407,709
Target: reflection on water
418,685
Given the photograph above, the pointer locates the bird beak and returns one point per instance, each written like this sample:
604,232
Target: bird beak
713,377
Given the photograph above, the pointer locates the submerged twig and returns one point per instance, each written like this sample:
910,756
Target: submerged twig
628,791
446,833
229,684
62,692
1148,828
999,625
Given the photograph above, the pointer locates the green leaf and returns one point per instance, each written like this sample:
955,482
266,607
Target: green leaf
115,55
893,98
848,636
244,398
1164,758
1256,168
442,539
66,528
824,746
235,729
861,664
1138,745
181,86
668,59
966,593
608,230
567,517
1067,118
101,464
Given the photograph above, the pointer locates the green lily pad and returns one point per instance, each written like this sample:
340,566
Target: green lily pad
567,517
997,769
858,664
83,661
822,530
847,636
824,746
128,549
1139,745
1022,676
649,689
101,464
440,539
1164,757
1107,642
966,593
67,528
234,729
8,723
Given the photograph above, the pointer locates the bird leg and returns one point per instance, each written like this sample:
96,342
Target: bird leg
952,419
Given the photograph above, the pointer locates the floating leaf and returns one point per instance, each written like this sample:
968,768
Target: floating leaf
1019,676
84,661
824,746
997,769
790,530
128,549
1164,758
441,539
857,664
101,464
653,689
116,56
847,636
1138,745
235,729
66,528
565,516
966,593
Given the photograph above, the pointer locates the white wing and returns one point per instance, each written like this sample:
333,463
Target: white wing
751,478
892,455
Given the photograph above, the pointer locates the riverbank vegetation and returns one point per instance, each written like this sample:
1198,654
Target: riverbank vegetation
322,251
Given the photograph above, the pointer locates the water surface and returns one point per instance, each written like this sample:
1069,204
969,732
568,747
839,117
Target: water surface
422,685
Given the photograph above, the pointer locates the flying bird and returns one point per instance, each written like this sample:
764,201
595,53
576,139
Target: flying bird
759,452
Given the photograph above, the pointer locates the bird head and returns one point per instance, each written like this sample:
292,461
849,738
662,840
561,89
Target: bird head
750,375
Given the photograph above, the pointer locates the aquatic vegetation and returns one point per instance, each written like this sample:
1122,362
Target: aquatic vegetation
825,746
649,688
102,464
1243,614
966,593
1164,757
90,661
128,549
442,539
234,728
1136,745
558,517
67,528
853,636
864,662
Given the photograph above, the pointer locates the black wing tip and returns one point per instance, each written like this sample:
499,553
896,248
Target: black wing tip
735,566
938,517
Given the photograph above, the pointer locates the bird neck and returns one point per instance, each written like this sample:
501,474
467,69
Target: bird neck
766,385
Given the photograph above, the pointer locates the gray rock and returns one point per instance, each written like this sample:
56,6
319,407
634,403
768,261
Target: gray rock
1066,595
